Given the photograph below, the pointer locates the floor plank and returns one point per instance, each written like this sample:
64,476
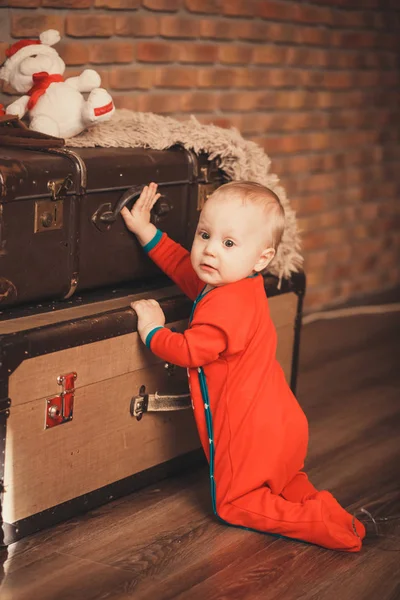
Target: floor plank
162,543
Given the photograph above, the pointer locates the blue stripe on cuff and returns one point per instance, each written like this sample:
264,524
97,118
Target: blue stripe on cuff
152,243
150,335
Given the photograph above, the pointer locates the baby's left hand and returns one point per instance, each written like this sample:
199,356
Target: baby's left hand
149,315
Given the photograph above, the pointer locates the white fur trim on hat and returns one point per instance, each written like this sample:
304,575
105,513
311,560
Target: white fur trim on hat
50,37
19,56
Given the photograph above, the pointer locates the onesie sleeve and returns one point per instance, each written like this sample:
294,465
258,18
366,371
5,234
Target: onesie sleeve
195,347
174,260
221,325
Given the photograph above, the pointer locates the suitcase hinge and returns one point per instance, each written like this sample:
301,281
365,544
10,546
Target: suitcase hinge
59,409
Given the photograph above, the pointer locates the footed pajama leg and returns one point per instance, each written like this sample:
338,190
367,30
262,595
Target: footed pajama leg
300,489
318,520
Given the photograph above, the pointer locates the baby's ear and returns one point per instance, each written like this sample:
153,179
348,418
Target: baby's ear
266,257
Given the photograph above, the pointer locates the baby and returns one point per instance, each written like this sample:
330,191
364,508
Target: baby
251,427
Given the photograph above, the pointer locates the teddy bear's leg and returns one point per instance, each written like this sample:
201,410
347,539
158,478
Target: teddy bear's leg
45,125
98,107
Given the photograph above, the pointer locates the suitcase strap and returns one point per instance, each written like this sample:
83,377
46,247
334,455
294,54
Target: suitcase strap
158,402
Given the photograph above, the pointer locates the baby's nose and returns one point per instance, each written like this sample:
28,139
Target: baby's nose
210,249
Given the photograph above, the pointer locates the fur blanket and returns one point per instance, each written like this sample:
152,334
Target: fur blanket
240,159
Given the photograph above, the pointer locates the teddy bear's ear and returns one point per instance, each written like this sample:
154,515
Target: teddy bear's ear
50,37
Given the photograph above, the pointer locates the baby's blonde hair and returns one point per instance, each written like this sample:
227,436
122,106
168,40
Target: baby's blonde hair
249,191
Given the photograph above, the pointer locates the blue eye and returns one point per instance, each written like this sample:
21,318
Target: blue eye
229,243
204,235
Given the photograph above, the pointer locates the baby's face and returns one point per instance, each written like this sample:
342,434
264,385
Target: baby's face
228,241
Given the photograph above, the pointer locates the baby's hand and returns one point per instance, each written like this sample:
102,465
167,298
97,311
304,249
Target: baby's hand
138,219
149,315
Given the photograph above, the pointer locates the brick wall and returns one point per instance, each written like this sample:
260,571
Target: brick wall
316,84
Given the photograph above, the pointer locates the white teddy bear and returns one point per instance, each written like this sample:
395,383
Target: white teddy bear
56,106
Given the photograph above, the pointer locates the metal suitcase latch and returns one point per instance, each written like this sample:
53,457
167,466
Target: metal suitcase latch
60,187
60,409
144,402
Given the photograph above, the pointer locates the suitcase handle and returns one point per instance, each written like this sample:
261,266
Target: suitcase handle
160,208
111,215
144,402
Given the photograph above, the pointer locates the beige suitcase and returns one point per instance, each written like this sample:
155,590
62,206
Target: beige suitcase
74,382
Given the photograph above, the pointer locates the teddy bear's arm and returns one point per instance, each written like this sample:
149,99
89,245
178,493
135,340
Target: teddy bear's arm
87,81
19,107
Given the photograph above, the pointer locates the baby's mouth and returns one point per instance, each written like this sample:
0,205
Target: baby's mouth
207,267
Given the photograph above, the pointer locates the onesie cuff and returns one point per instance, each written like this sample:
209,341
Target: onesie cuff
153,242
150,335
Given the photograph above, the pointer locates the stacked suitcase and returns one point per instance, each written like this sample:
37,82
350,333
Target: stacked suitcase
77,385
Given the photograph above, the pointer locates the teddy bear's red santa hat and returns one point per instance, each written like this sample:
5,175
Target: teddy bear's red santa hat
24,48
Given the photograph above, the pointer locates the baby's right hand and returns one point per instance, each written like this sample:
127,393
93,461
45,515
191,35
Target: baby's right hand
138,218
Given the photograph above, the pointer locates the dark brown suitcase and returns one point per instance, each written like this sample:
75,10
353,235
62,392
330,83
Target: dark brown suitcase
60,228
64,454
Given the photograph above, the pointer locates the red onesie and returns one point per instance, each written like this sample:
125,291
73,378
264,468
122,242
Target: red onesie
252,429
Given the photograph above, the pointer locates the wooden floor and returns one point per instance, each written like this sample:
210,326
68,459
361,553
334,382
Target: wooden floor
163,542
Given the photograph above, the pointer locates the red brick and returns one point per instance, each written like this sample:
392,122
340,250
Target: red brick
165,5
199,101
302,57
293,78
157,52
275,121
73,53
224,122
234,54
220,29
175,77
313,36
216,78
23,3
117,4
159,103
202,6
112,52
137,25
239,8
252,30
269,55
179,27
312,14
317,240
281,32
239,101
340,254
24,25
350,39
338,79
131,78
293,99
279,11
198,53
316,260
348,19
90,25
129,102
75,4
312,203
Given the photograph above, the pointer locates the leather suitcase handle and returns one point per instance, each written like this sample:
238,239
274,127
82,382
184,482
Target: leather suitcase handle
111,216
160,208
158,403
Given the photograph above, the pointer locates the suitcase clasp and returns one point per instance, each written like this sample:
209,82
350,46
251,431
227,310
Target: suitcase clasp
60,187
59,409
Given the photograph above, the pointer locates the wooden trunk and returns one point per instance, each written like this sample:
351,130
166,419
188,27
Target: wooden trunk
54,472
